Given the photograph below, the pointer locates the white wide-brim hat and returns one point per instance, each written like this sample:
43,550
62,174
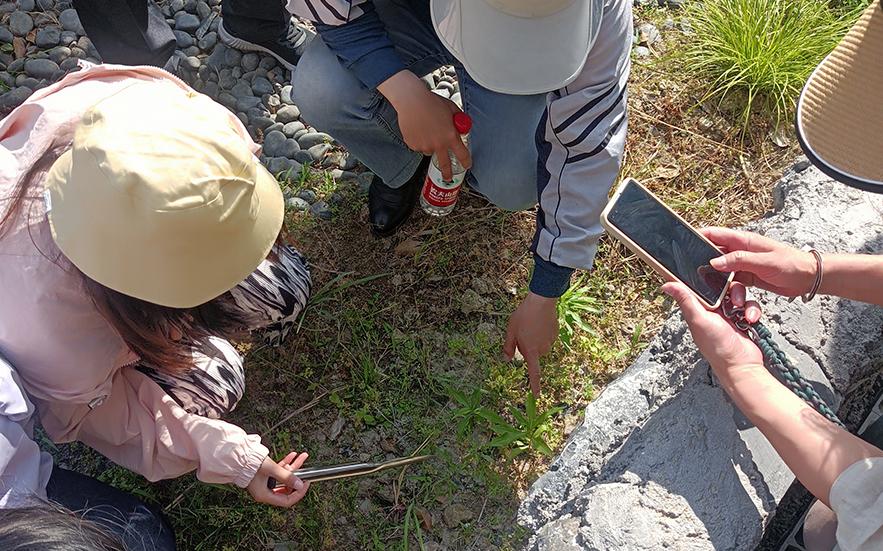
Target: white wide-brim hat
519,46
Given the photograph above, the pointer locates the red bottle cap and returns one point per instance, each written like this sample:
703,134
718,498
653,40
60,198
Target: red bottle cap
463,123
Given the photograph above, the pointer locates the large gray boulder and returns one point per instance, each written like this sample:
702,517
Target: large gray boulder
663,460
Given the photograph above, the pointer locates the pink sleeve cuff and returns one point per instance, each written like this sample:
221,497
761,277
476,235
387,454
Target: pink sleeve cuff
253,456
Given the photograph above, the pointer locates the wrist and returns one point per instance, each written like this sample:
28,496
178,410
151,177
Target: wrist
401,88
741,378
541,300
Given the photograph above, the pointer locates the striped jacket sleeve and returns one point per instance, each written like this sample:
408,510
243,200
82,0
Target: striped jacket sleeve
327,12
354,32
581,139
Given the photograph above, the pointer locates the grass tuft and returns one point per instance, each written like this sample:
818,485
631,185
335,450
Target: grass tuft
764,50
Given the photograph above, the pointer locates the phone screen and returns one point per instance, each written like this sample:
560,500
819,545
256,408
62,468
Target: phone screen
647,222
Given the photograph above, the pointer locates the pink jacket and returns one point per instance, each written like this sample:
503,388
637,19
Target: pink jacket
72,363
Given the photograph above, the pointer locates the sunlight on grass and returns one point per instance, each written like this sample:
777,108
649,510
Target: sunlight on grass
763,49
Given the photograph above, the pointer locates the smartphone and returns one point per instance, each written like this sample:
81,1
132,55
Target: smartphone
665,241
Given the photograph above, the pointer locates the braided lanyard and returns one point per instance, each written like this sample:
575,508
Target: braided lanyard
775,358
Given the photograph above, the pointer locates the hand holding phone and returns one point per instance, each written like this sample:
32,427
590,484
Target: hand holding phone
666,242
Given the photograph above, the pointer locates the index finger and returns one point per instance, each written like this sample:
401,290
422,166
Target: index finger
532,359
444,164
737,240
462,153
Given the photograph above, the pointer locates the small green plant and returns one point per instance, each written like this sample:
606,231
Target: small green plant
412,520
527,433
573,306
468,409
763,49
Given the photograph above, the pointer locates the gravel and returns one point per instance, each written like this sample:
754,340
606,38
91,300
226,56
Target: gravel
203,10
241,89
321,210
285,94
59,54
287,114
307,195
648,34
184,40
14,97
318,152
227,100
252,85
250,61
68,38
70,21
20,23
232,58
311,139
292,128
274,142
297,204
47,37
261,86
40,68
207,42
186,21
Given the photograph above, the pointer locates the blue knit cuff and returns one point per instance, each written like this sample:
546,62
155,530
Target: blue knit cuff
549,279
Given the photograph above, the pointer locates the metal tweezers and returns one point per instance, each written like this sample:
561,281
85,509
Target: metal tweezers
348,470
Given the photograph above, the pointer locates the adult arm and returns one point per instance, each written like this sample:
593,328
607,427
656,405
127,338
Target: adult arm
787,271
580,142
853,276
816,450
353,31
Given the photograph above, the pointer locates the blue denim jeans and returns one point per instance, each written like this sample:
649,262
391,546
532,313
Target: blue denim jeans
333,100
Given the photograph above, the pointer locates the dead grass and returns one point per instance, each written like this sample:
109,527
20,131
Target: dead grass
390,332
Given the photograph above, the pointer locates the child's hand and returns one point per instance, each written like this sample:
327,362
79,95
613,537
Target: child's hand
280,471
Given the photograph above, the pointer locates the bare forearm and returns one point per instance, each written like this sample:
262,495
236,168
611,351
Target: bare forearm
815,449
854,276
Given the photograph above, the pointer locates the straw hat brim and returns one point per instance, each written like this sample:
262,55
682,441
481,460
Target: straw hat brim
839,112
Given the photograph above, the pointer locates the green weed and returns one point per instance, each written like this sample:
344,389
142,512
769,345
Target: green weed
527,433
763,50
577,302
468,410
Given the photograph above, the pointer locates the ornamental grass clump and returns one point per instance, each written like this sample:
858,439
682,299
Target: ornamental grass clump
764,50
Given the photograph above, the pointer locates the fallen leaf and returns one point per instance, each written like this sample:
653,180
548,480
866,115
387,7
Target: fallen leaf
425,518
408,247
388,445
780,137
668,172
19,47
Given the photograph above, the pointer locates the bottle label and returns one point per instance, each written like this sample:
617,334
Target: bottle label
438,192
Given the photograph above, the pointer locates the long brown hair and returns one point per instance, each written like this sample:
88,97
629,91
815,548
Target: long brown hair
163,337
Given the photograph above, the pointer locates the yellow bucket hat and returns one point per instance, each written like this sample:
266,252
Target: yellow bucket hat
839,113
160,198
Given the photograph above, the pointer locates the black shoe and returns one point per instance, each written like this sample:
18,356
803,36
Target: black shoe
286,48
389,208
